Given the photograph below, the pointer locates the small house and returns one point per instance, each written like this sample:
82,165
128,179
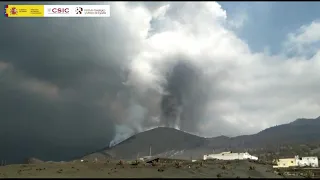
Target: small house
285,163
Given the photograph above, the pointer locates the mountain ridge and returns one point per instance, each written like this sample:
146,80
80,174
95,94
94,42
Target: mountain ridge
171,142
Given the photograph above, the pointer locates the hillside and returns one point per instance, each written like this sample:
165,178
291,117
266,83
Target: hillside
296,132
160,139
170,142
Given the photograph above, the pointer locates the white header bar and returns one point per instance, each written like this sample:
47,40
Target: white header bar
76,10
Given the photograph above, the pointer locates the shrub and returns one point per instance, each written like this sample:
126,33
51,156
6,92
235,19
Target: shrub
135,163
154,163
280,173
309,174
161,169
178,164
121,163
201,164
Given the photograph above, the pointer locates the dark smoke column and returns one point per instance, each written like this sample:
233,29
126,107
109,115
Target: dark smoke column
183,106
171,111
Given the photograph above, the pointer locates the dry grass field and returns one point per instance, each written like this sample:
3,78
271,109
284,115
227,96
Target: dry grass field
121,169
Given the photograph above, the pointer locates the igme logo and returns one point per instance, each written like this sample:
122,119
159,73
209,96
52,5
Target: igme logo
79,10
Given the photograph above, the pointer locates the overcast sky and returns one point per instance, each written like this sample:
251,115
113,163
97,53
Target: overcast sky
73,85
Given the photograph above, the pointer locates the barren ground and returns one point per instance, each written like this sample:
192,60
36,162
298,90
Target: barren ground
221,169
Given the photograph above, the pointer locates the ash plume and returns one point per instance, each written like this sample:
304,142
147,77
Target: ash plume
74,85
183,105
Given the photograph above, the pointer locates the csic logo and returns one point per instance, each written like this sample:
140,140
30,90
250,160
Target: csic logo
58,10
13,11
79,10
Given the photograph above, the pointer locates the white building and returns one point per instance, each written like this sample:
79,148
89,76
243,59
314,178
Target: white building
307,161
230,156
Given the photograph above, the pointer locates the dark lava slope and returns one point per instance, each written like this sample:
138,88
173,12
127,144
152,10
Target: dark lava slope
169,142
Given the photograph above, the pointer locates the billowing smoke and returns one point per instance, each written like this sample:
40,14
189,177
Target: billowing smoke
74,85
179,101
82,83
130,116
183,105
166,83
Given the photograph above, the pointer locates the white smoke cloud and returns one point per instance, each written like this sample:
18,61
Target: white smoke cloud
247,91
123,132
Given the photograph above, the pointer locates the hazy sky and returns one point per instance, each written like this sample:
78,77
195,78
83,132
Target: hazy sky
71,85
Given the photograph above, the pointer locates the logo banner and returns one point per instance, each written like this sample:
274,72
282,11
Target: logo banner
57,10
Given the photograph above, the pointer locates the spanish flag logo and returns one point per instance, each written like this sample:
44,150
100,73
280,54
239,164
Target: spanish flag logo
10,11
13,11
24,10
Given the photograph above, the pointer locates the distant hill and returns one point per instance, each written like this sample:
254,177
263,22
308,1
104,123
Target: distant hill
304,121
160,139
298,131
169,142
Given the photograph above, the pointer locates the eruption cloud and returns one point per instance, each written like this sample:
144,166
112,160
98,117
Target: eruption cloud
76,85
167,79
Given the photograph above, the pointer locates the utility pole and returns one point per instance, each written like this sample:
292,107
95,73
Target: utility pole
150,150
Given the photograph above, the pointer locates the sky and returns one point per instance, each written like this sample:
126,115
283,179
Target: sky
69,86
